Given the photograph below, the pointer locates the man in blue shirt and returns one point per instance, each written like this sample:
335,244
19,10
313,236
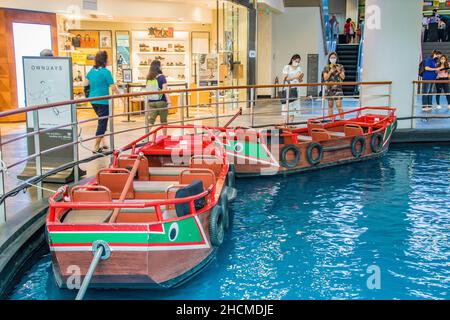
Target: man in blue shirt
430,74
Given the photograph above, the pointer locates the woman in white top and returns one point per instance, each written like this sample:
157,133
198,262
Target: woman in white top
292,74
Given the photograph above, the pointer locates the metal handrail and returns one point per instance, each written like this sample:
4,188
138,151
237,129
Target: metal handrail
77,141
146,93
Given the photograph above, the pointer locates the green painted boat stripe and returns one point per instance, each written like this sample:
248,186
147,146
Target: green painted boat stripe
250,149
187,231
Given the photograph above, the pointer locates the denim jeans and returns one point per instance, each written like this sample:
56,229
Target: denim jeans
102,110
427,100
442,88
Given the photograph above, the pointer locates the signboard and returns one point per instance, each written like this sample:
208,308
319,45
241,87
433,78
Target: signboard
49,80
207,65
122,53
313,74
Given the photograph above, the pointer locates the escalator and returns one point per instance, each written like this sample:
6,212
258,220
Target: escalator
349,56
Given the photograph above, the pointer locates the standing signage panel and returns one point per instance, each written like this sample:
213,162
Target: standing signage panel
48,80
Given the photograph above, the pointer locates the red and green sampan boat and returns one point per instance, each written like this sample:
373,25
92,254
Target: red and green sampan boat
156,229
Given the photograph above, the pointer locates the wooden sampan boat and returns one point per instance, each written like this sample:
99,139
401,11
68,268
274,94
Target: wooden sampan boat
325,141
157,223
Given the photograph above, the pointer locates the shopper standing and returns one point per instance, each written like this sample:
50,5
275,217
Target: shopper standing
334,72
425,21
100,81
352,31
332,24
347,30
441,30
433,27
292,74
443,75
430,74
158,104
446,20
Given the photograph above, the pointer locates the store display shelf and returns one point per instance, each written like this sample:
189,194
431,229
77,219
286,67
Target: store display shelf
164,67
160,39
160,53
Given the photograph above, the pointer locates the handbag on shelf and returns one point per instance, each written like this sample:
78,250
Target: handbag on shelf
293,94
76,41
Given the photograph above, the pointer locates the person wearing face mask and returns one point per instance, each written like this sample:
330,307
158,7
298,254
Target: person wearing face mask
293,74
334,72
442,75
430,74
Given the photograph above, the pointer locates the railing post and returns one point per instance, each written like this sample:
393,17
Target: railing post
2,186
146,113
111,123
217,107
252,106
181,108
360,96
390,95
76,173
413,110
287,104
323,100
37,151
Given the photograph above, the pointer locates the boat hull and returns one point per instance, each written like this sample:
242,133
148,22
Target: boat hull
141,257
335,152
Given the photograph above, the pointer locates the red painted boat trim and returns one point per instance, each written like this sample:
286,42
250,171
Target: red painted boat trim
164,244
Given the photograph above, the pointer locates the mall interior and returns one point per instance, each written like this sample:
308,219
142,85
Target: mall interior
224,62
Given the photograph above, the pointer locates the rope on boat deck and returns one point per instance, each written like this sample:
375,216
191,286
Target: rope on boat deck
101,251
4,169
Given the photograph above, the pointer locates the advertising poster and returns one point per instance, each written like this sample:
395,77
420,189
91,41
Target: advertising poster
48,80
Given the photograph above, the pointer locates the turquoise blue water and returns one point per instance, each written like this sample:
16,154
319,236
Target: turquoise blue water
316,236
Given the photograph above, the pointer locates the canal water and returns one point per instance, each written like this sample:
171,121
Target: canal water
373,230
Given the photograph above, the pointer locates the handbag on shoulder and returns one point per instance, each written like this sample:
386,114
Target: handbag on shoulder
87,89
293,94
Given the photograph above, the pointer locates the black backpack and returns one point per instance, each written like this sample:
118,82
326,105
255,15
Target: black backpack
422,68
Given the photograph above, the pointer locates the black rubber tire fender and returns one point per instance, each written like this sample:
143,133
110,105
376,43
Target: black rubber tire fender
225,207
283,153
309,151
216,226
358,140
376,142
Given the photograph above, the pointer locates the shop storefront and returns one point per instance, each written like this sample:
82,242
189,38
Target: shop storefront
215,51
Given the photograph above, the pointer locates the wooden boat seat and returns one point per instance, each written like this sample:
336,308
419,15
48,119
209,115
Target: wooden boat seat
87,216
320,135
337,134
352,130
304,138
165,171
152,186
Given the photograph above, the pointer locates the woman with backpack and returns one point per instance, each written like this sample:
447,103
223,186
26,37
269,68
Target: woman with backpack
158,104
